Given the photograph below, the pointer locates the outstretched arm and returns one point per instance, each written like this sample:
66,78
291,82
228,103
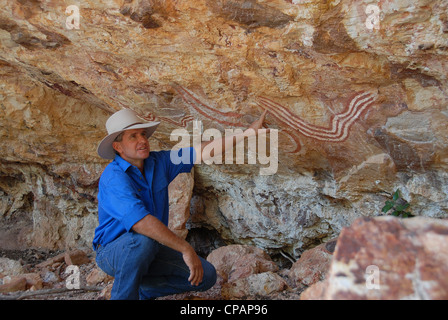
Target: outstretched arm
151,227
228,142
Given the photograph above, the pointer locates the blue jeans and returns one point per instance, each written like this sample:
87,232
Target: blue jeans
145,269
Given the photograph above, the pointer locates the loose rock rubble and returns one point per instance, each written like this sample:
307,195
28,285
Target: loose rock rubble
244,272
247,272
45,275
410,256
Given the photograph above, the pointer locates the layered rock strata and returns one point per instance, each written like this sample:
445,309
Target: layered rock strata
357,90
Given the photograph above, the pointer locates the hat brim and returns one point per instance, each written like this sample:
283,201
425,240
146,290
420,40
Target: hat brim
105,149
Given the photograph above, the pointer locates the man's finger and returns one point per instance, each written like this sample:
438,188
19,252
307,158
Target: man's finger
197,277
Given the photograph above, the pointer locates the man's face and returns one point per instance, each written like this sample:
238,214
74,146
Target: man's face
134,145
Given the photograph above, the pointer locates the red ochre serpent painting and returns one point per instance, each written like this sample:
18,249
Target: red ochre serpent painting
292,125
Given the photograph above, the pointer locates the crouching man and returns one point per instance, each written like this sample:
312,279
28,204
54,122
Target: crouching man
132,242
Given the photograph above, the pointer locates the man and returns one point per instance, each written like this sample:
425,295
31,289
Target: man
132,242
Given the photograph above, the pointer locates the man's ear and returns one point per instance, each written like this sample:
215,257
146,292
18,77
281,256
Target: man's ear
117,146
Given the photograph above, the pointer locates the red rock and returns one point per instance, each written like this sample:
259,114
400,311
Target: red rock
255,285
315,291
239,261
76,257
97,276
17,284
33,280
312,265
390,258
49,262
180,191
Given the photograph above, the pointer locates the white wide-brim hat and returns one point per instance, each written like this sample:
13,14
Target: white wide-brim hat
120,121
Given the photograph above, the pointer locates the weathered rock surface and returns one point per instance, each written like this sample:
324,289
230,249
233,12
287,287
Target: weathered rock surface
239,261
313,264
359,98
16,284
32,278
255,285
180,191
388,258
375,258
9,267
244,272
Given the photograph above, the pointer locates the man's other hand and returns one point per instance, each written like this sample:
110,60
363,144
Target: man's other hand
194,264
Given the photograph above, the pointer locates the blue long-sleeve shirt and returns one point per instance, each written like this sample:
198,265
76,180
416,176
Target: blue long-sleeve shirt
125,196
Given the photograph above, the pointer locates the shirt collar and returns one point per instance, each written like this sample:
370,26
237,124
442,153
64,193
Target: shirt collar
148,163
122,163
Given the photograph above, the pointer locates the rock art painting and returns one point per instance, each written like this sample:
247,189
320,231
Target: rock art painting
341,123
181,123
197,106
291,125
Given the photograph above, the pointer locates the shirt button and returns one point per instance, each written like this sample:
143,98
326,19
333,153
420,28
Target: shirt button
139,190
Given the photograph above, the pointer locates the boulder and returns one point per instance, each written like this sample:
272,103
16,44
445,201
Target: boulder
245,271
16,284
76,257
180,191
315,291
313,264
255,285
234,262
96,276
10,267
33,281
52,261
388,258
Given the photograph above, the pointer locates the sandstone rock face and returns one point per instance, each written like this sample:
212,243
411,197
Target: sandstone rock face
357,92
387,258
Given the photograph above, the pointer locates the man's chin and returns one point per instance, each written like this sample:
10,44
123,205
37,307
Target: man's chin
142,154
